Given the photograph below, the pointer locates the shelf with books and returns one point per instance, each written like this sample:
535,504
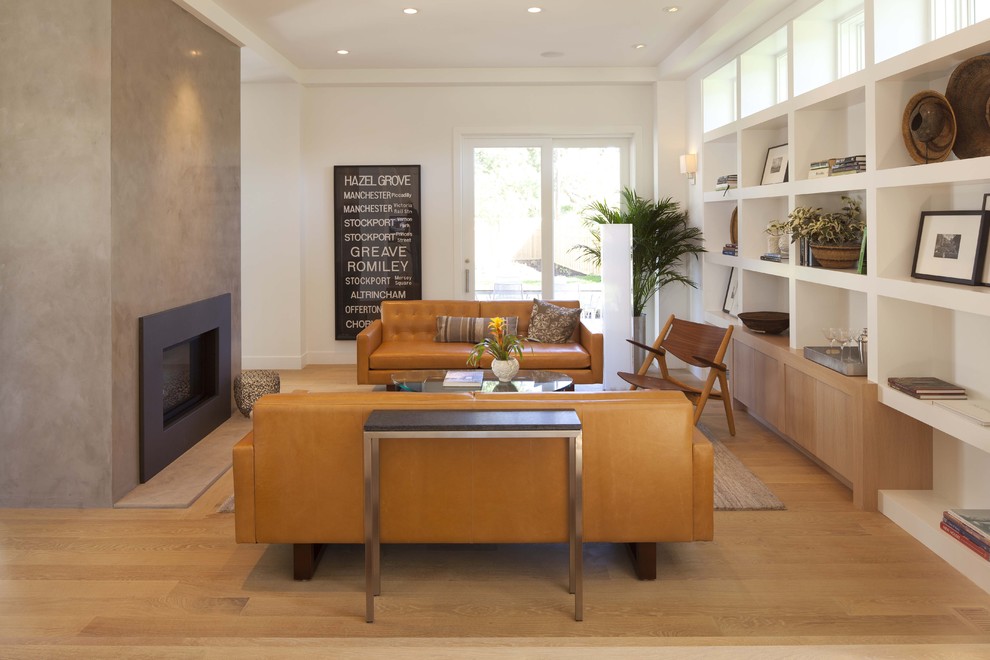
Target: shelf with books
833,128
719,157
926,412
919,512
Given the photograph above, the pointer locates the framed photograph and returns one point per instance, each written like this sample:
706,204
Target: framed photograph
730,305
775,169
985,271
950,246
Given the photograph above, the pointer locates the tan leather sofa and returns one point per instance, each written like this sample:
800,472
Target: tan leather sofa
403,339
648,475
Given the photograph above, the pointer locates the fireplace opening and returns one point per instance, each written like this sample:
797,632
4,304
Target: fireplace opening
189,375
184,379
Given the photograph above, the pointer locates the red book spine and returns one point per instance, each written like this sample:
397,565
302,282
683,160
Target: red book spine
965,541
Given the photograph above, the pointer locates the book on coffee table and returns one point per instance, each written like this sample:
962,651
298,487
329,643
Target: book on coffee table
464,378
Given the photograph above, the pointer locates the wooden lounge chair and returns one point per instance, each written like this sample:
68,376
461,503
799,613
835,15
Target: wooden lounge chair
698,344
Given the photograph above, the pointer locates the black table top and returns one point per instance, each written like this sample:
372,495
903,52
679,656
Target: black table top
472,420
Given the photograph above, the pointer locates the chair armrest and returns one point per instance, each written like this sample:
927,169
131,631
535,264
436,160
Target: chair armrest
368,340
594,343
703,466
244,529
658,351
718,366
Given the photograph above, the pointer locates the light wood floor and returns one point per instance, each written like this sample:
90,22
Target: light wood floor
817,580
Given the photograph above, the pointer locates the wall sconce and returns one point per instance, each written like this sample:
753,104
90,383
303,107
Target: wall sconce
689,166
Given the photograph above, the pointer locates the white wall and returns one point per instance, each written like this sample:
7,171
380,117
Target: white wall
394,125
271,226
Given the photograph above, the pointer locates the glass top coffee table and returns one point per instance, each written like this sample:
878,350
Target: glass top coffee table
527,380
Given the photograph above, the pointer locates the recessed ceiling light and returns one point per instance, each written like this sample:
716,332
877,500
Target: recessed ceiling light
639,46
343,52
410,11
671,10
535,10
195,53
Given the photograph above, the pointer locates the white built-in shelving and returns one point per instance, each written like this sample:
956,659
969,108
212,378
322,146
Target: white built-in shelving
836,109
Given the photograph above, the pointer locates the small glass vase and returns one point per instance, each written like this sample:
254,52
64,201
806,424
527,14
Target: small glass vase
505,370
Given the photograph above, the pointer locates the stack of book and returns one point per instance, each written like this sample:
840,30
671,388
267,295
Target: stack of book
727,181
776,257
847,165
731,249
818,169
971,527
927,387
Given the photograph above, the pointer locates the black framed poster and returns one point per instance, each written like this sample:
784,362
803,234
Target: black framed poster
377,240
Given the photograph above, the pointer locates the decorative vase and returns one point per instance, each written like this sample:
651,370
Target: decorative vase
836,256
505,370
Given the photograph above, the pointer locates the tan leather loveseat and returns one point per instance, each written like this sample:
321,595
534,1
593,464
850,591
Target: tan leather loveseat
648,474
403,339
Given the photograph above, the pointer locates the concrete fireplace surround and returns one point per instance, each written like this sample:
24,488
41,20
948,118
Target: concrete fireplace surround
121,196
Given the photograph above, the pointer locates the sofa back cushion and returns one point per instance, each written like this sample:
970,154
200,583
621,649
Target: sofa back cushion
417,319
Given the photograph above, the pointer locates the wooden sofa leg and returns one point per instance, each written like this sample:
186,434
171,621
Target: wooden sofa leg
644,558
305,558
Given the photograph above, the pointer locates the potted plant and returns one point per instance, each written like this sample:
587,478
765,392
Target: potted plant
834,237
661,238
504,349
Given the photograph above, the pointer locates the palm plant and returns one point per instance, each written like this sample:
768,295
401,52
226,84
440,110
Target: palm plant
661,238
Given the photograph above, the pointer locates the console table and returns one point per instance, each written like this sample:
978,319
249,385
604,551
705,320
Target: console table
469,424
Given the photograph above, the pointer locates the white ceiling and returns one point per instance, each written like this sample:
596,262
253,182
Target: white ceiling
288,38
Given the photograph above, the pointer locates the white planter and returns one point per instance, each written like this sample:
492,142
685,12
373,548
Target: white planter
505,370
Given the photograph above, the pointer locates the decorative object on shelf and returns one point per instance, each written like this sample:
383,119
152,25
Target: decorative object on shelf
861,263
771,323
985,276
835,238
734,225
929,127
950,247
662,240
730,305
727,182
502,346
968,92
775,168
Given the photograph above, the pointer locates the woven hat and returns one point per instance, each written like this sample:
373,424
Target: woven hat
928,127
968,92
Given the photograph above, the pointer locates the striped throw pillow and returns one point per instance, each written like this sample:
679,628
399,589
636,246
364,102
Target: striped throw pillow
469,329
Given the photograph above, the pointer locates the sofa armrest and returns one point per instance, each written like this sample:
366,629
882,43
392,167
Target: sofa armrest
368,340
244,530
704,486
594,343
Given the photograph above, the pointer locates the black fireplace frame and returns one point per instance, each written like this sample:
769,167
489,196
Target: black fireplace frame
159,444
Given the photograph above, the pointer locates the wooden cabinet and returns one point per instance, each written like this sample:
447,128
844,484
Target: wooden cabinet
835,419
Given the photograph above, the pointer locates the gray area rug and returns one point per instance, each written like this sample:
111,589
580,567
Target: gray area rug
736,488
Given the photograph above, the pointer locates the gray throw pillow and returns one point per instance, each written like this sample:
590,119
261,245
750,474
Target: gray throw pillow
551,324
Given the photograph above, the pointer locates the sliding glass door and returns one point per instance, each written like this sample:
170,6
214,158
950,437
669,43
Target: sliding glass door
523,204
